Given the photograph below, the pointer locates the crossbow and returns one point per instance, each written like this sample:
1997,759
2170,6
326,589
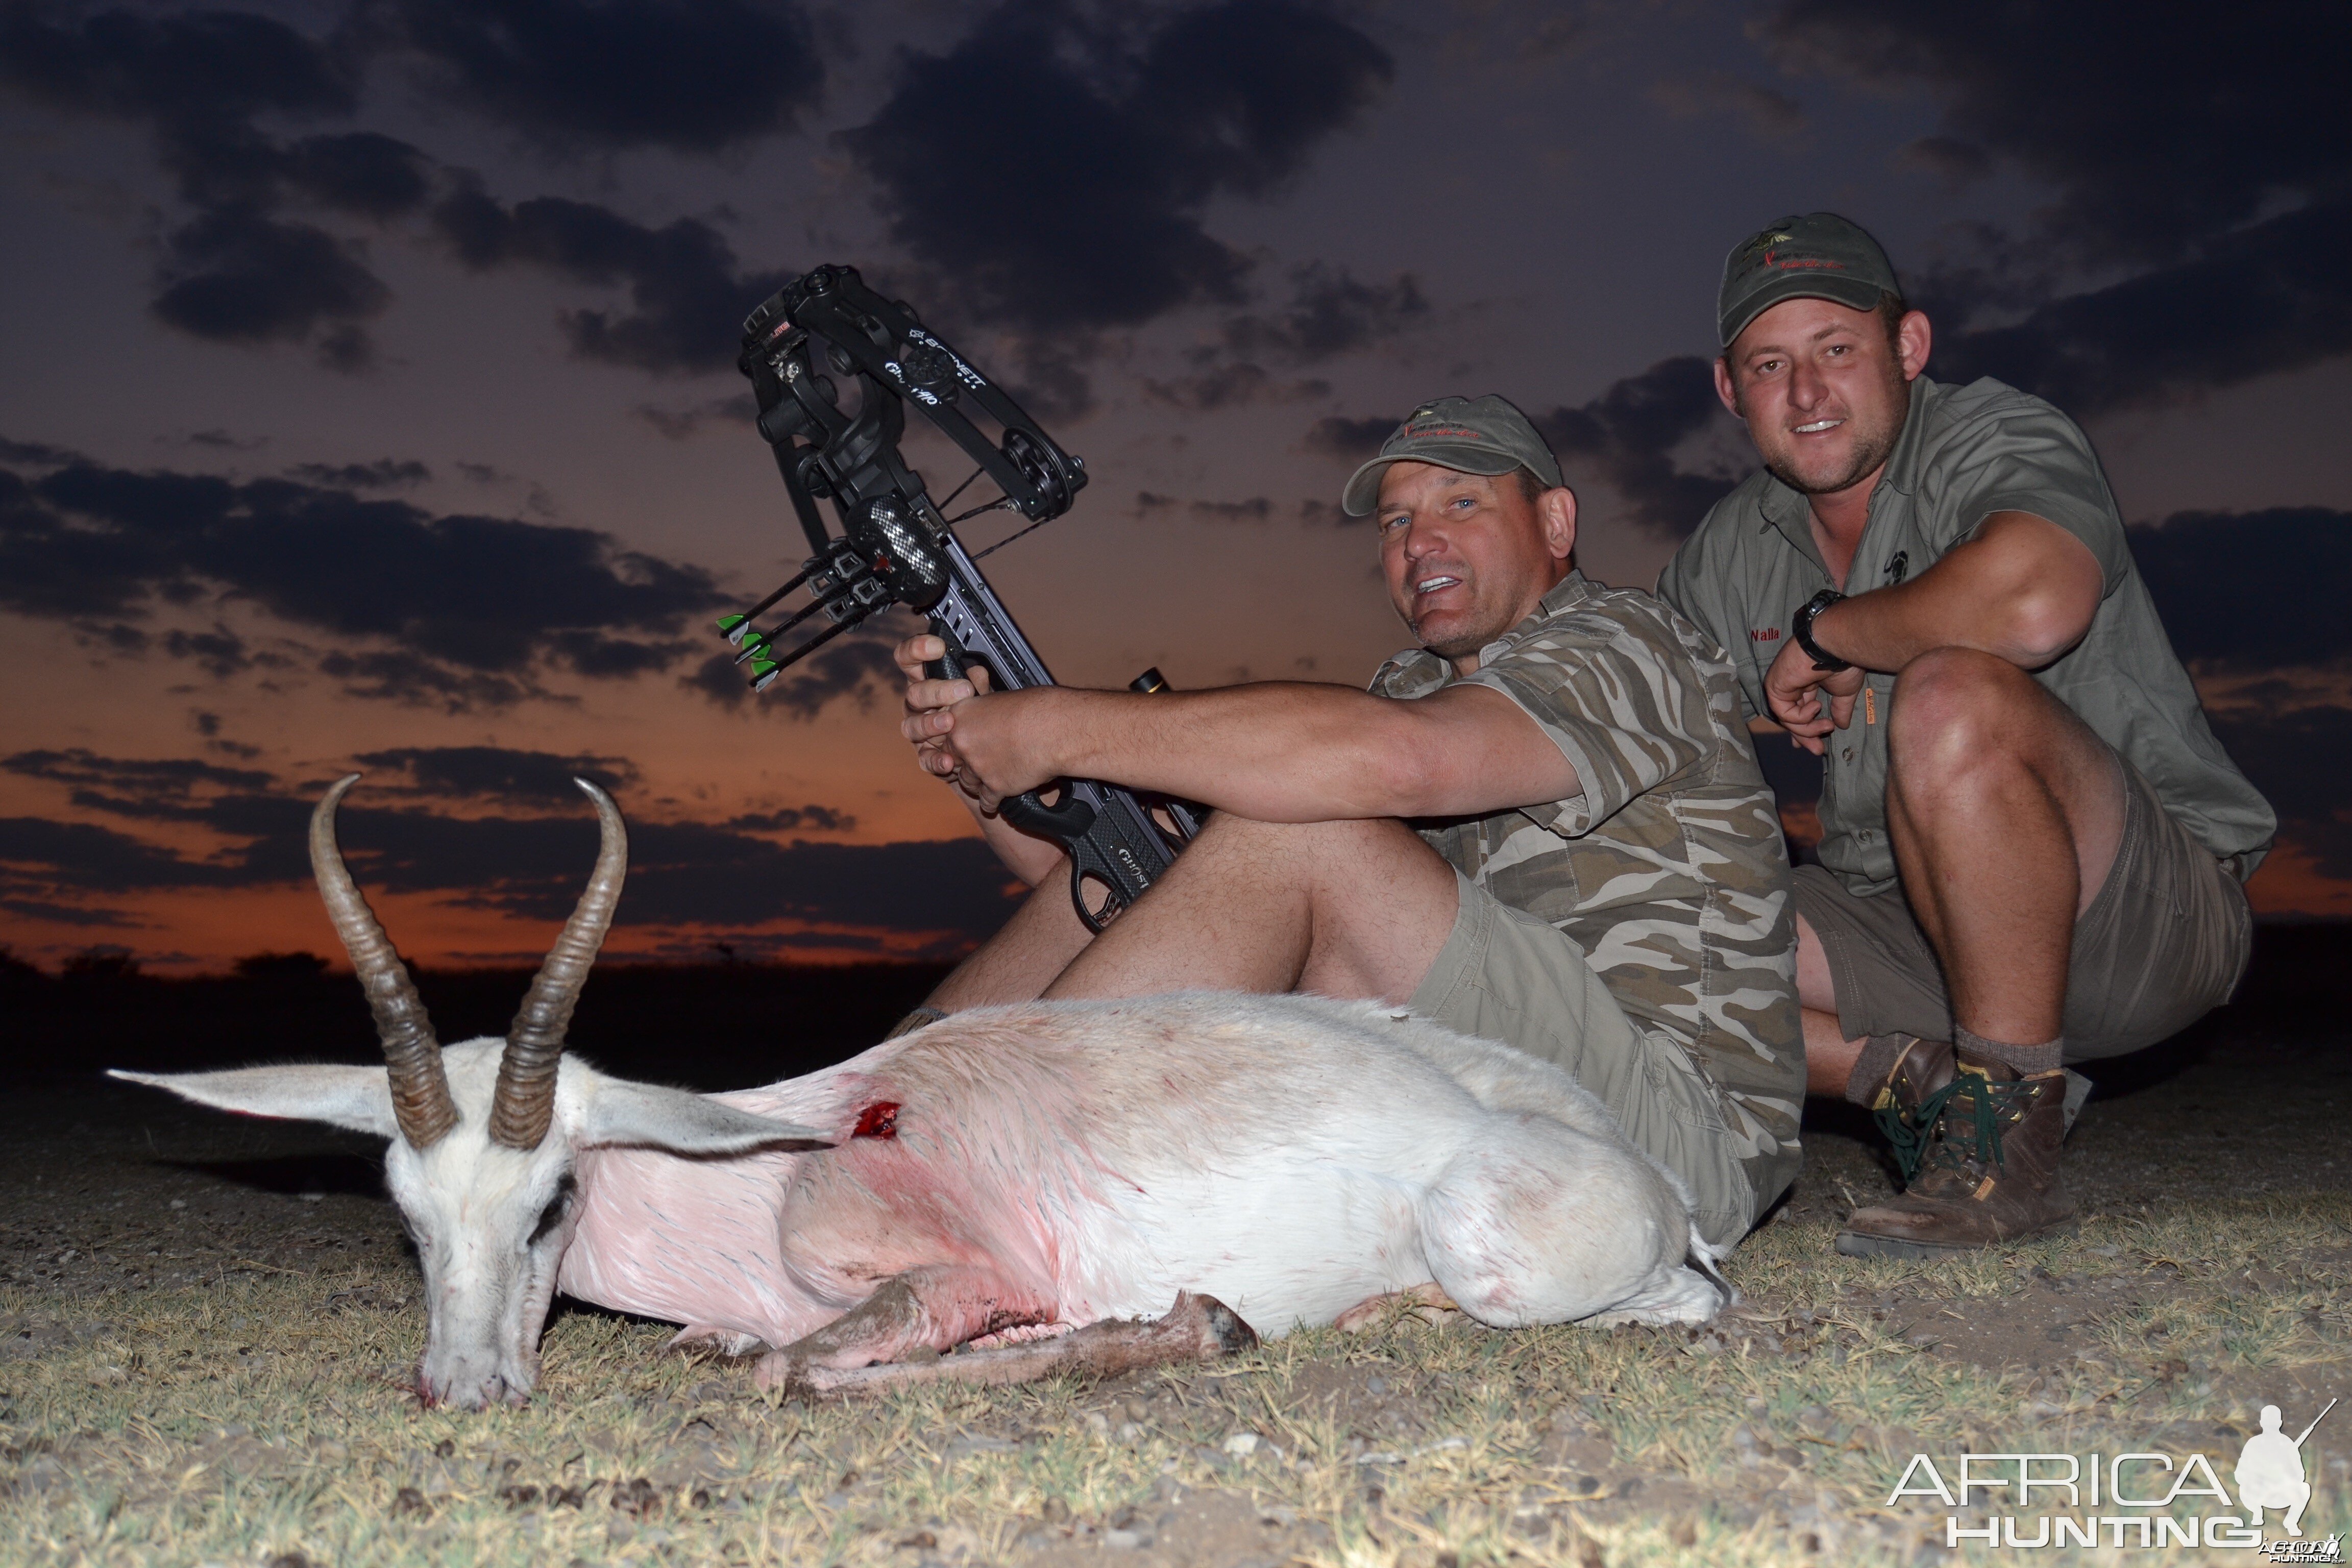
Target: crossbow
897,548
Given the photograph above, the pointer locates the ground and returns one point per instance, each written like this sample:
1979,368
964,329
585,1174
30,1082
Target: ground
208,1326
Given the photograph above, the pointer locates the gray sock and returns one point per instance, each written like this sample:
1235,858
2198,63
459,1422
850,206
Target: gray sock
920,1017
2024,1060
1874,1065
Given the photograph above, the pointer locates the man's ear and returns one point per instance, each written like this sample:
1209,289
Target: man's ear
1913,338
1728,392
1557,509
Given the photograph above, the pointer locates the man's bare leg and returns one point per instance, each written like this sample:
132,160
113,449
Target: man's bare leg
1340,908
1343,908
1024,957
2006,813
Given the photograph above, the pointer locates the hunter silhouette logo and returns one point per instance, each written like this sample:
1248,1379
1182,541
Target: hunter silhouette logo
2128,1499
2270,1471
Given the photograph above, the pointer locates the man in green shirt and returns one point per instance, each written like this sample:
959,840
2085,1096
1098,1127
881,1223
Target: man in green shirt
2032,846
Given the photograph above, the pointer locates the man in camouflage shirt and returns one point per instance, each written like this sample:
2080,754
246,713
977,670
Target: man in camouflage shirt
1544,826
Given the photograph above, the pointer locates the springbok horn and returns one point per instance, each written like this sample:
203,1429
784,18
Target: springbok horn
525,1105
420,1090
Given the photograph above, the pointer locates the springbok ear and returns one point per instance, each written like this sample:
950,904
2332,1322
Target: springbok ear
684,1123
355,1098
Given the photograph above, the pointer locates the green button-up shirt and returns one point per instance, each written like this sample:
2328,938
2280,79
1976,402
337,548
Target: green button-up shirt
1965,453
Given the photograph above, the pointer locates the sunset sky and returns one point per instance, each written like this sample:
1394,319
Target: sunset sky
369,399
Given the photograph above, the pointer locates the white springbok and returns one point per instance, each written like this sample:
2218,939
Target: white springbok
1003,1175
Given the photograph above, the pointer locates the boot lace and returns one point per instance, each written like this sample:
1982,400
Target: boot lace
1937,1134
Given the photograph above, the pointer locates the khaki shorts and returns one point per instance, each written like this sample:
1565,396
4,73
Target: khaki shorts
2165,942
1503,974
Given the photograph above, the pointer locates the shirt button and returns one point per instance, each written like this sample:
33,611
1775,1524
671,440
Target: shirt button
1863,836
1847,753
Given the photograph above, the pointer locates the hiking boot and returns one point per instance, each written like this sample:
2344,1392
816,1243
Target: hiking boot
1892,1076
1985,1169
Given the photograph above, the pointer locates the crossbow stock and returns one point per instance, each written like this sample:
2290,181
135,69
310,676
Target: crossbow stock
897,548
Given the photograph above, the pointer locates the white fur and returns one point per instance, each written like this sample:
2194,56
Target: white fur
1291,1155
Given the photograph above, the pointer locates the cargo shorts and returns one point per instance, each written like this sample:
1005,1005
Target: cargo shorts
2165,941
1505,975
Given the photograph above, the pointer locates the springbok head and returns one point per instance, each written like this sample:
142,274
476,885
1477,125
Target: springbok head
483,1133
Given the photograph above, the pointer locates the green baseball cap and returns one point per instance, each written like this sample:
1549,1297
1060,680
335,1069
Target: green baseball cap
1469,435
1819,256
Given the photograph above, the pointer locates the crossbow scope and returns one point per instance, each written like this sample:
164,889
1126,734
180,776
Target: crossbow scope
895,547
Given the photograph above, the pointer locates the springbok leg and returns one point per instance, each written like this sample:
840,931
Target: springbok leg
1421,1302
1197,1327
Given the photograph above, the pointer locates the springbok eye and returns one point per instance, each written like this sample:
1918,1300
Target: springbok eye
553,1214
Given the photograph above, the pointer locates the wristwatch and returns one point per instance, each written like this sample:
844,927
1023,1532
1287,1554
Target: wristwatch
1801,628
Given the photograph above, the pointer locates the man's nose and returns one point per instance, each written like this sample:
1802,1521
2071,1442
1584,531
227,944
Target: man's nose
1806,386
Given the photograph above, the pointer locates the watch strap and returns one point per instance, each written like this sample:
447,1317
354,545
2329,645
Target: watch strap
1801,628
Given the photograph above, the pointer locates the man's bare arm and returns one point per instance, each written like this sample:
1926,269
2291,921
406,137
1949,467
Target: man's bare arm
1276,752
2022,588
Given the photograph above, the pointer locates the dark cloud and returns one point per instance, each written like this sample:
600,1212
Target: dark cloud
2204,153
1354,440
2274,297
235,276
37,455
1047,375
689,299
1628,435
463,608
2252,591
359,172
1330,311
1256,509
678,423
1231,385
71,915
719,678
179,789
220,652
497,773
383,474
195,69
856,664
529,865
2159,137
694,74
2298,759
235,272
1768,113
1130,140
789,818
1957,162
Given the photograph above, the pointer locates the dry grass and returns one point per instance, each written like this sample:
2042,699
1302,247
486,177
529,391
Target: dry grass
267,1415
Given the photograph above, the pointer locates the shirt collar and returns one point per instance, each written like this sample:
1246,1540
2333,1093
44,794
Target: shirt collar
1426,672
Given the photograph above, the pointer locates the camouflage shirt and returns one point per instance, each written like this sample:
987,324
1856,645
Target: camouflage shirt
1668,871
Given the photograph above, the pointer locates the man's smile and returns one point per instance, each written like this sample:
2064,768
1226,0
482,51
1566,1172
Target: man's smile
1818,426
1436,583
